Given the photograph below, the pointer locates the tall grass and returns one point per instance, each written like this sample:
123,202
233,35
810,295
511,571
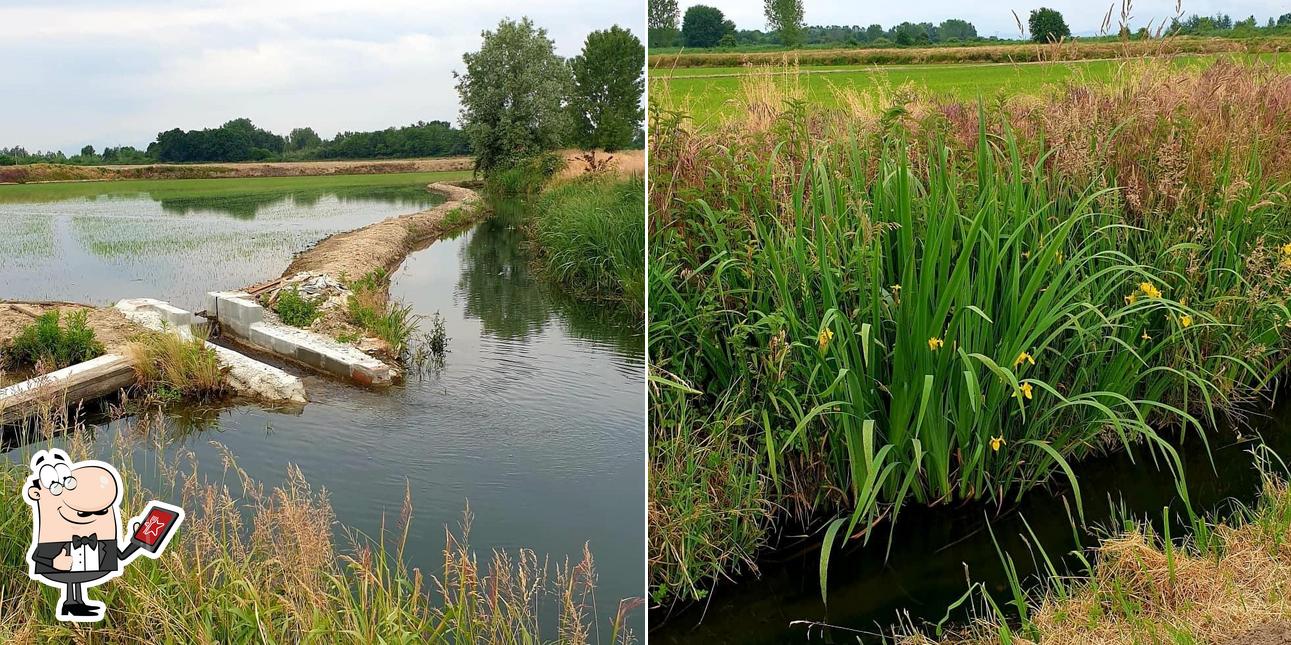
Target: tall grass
177,369
905,314
257,564
589,235
370,307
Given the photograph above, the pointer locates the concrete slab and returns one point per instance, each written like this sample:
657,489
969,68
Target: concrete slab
245,375
244,319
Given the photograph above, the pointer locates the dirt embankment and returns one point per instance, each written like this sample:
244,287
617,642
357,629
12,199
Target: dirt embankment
354,254
110,327
36,173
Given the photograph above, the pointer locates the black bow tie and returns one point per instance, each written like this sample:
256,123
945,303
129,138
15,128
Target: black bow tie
79,541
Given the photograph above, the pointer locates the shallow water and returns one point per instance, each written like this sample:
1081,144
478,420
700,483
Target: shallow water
536,420
935,551
178,243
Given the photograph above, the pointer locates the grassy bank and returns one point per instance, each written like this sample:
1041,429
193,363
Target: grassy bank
1227,583
190,188
915,300
589,236
256,564
45,172
1077,49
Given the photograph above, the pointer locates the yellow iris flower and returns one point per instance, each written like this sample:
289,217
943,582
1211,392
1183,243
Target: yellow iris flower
935,343
1024,358
824,337
1149,290
996,442
1025,389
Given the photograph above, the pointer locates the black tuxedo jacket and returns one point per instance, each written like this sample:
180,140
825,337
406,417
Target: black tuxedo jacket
110,557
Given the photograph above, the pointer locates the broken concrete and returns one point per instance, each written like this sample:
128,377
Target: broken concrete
245,374
244,319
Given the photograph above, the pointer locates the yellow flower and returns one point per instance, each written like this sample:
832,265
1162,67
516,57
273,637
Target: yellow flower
1025,389
996,442
824,337
1145,335
1185,320
1286,248
1130,299
1149,290
1024,358
935,343
1059,257
1026,255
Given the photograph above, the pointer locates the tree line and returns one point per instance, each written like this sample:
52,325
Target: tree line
703,26
518,99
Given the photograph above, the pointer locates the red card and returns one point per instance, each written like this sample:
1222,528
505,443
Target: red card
154,527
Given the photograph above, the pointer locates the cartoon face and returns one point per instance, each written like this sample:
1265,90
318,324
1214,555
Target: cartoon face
73,498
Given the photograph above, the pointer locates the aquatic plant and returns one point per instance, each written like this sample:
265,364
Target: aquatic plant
370,308
52,344
919,306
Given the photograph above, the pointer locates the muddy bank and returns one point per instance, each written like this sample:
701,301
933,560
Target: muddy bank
37,173
384,245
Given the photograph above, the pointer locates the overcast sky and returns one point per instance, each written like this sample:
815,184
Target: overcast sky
991,17
113,72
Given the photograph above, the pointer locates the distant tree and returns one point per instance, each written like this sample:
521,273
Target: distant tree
873,33
87,151
512,93
1047,24
608,84
728,40
303,138
904,39
1284,20
704,26
956,29
785,18
661,19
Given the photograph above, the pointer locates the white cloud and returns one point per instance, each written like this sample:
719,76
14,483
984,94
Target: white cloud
110,73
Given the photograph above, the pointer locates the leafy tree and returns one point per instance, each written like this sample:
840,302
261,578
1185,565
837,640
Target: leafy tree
302,138
956,29
608,84
704,26
87,151
1047,24
873,33
1284,20
512,93
661,19
785,18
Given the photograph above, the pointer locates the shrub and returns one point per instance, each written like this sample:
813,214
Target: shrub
525,178
295,309
57,345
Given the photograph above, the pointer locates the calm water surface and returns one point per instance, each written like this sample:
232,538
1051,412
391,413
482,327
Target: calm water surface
936,551
536,419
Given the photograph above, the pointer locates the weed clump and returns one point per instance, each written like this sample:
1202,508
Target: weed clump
56,345
173,369
370,308
297,310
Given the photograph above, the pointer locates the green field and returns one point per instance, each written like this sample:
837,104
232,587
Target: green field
180,188
708,93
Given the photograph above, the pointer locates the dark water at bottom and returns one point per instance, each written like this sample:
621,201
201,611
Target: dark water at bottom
936,551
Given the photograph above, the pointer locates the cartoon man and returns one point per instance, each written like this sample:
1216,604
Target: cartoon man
76,517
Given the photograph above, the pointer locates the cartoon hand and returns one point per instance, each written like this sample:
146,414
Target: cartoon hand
63,561
134,528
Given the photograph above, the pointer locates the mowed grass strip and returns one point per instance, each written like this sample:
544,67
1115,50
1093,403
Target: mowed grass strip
175,188
710,94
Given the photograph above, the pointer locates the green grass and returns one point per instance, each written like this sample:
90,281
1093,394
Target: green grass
589,234
174,369
181,188
53,343
709,94
371,309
